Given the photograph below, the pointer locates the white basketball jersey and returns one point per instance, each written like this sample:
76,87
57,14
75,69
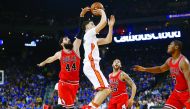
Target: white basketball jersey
90,46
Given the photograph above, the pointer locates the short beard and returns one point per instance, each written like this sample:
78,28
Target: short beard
68,46
118,68
170,52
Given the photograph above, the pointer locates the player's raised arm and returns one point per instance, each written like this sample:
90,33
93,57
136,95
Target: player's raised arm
50,59
108,38
130,82
185,67
77,42
158,69
103,20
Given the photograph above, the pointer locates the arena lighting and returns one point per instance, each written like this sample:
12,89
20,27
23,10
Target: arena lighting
1,77
178,16
1,42
31,44
37,40
148,36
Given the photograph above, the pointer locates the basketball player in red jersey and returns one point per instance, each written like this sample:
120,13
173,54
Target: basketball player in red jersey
180,72
69,58
118,80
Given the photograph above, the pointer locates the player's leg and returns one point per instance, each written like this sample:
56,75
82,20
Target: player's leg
121,106
184,96
166,107
100,97
61,100
102,86
111,105
122,101
73,93
99,82
65,94
71,96
59,106
173,102
187,105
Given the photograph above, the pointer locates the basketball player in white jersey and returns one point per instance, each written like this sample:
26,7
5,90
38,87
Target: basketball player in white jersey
91,60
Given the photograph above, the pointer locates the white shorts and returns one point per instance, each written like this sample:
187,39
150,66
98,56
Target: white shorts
92,70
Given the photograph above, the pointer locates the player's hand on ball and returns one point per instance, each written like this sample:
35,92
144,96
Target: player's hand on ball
84,11
111,21
98,11
130,103
138,68
96,6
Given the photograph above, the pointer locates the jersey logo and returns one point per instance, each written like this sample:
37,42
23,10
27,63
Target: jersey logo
69,59
174,71
114,85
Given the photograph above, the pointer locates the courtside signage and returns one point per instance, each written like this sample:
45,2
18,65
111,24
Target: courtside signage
149,36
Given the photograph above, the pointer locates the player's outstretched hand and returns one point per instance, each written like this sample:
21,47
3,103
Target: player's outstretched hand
138,68
41,64
111,21
84,11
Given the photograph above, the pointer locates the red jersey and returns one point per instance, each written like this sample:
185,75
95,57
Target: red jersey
177,75
70,66
117,86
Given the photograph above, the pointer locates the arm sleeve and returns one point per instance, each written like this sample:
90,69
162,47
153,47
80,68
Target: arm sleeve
81,32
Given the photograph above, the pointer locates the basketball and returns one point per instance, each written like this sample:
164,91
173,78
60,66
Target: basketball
96,5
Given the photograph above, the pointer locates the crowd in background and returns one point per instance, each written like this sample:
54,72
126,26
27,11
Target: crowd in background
23,88
25,85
